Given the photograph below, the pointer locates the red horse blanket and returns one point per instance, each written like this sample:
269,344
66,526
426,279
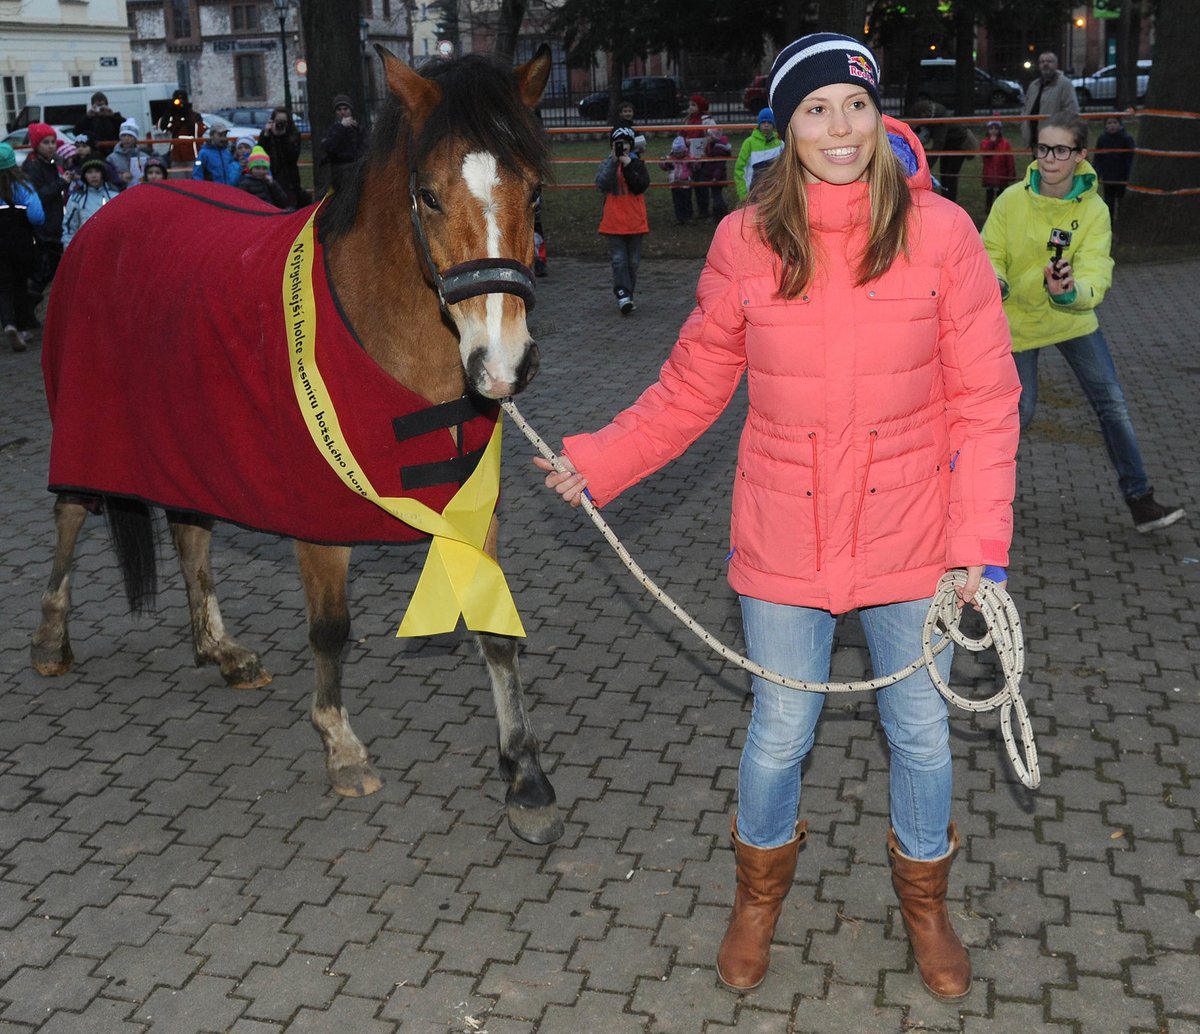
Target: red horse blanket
167,374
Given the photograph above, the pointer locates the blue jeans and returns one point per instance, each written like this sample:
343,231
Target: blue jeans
1092,364
625,250
797,642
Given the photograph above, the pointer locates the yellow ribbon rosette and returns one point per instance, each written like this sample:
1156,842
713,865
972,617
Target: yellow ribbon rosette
458,578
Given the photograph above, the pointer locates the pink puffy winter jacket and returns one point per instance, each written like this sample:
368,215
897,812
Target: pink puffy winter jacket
879,448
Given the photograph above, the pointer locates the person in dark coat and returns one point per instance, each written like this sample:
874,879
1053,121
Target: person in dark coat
281,140
182,121
343,141
258,181
42,173
20,214
101,124
1113,161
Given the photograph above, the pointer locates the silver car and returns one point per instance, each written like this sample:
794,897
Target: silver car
1101,85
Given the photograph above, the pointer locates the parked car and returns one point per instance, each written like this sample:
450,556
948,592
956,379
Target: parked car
650,95
754,96
937,82
253,118
1101,85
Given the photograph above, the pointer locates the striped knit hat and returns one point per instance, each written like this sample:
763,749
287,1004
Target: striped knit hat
817,60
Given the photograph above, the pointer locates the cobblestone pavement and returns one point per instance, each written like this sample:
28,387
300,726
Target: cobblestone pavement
171,859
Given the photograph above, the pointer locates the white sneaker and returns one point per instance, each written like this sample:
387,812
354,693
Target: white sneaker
15,338
625,304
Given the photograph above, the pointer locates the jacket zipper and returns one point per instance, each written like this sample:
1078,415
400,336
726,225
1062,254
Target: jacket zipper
862,492
812,437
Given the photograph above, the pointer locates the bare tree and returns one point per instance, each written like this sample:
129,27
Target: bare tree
1156,215
512,14
334,66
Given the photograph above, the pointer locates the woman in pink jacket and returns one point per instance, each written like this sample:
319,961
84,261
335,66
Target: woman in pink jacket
878,452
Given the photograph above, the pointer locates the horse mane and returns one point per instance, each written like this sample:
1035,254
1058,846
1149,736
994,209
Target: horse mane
479,105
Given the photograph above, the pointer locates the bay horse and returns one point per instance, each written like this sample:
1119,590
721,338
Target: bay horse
270,369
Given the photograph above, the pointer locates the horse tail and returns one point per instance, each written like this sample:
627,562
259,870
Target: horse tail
131,529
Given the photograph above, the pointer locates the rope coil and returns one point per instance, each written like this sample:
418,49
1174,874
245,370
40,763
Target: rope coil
940,629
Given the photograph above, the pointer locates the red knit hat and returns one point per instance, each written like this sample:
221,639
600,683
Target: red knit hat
700,102
38,131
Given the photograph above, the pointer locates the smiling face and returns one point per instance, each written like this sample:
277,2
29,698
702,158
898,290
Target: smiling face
834,131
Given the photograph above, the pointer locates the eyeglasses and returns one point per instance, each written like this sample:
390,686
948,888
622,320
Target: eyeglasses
1060,151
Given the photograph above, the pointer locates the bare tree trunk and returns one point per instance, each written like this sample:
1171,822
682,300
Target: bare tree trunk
334,66
964,65
844,16
1129,26
1154,221
512,14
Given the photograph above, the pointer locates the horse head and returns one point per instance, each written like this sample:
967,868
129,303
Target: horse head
476,160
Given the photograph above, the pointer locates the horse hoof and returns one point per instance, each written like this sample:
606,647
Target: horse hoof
52,668
355,781
535,825
247,676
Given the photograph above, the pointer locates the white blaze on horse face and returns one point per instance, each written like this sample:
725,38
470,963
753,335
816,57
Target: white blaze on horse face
504,346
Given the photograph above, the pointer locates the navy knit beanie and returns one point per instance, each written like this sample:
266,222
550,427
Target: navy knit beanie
818,60
766,115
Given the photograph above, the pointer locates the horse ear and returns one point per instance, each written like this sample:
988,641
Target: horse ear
418,94
532,76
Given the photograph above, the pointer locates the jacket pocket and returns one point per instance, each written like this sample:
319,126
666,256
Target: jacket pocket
909,293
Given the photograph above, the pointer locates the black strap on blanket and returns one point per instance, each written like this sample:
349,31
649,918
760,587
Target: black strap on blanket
441,417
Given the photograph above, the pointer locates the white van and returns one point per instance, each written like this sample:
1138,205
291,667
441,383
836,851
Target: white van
66,106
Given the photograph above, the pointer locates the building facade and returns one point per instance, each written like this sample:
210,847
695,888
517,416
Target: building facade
45,44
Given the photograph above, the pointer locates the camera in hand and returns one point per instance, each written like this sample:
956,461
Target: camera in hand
1059,239
619,148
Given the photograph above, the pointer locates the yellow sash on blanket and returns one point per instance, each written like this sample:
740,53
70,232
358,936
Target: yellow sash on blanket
458,577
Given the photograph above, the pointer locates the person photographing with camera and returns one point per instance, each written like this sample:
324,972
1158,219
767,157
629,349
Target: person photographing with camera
623,179
281,140
1049,239
343,141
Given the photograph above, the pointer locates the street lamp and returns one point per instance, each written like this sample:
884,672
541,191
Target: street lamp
281,9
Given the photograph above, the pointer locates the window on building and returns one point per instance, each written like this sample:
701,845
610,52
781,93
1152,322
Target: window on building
183,75
181,21
245,18
368,8
136,67
81,80
250,77
387,8
14,96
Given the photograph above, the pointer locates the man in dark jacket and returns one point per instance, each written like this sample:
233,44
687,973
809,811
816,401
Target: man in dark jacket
281,140
342,142
101,124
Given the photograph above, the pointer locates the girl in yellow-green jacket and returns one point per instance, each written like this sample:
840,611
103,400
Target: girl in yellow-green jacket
1049,240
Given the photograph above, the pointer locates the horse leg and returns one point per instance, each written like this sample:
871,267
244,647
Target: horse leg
323,571
50,650
211,644
530,801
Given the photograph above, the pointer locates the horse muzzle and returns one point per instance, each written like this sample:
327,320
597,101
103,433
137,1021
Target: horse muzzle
493,384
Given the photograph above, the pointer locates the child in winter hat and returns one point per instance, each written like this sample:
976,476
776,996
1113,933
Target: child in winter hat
130,128
817,60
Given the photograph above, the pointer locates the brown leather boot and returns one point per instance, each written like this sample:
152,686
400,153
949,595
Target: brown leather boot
921,887
764,877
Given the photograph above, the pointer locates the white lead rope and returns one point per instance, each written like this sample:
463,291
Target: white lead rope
940,629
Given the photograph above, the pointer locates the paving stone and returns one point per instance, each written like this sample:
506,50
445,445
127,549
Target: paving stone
466,946
276,992
36,993
124,920
101,1014
232,948
356,1014
189,910
203,1004
391,960
525,988
619,959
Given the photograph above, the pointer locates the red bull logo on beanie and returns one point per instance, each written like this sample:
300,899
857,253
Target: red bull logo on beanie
860,68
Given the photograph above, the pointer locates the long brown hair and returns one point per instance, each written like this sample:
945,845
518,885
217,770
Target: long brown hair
10,177
783,216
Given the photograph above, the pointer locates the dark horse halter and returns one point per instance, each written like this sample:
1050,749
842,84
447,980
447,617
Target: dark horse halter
478,276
